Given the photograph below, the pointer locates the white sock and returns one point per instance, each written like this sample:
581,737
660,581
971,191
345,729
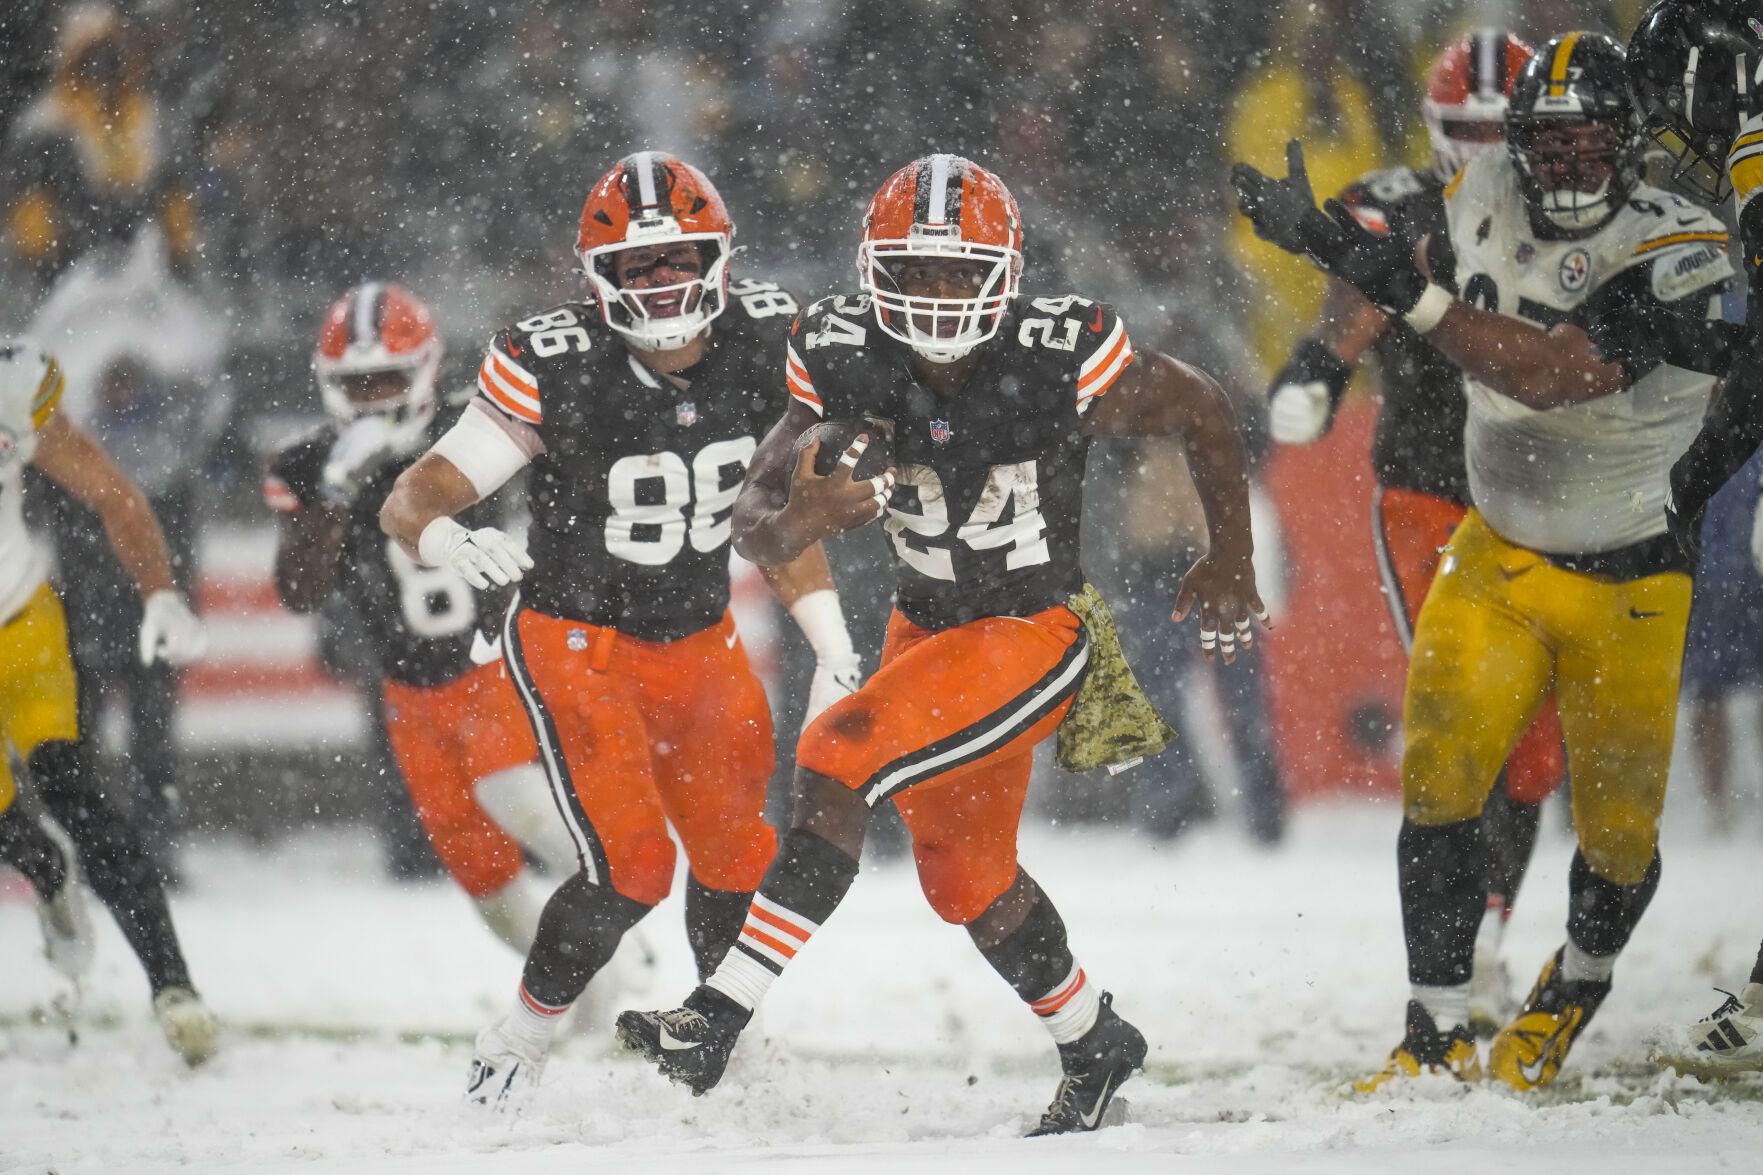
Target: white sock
1448,1006
1492,929
742,978
533,1023
1579,966
1071,1008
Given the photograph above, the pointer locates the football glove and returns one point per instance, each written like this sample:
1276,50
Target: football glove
483,556
170,632
1378,265
1305,393
1284,212
359,452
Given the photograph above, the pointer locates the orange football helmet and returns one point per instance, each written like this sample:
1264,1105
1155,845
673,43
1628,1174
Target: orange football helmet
379,327
941,206
652,199
1470,80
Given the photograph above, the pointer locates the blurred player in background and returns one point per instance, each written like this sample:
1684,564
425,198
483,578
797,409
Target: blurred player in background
456,728
1587,302
1417,456
992,399
39,708
638,412
1692,66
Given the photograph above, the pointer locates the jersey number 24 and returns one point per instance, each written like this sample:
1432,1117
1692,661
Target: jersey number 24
1024,534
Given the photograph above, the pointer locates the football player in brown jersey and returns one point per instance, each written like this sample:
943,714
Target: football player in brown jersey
638,412
992,398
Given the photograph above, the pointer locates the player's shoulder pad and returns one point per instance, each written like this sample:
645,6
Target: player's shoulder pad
516,358
1090,333
1683,244
1388,188
763,306
832,325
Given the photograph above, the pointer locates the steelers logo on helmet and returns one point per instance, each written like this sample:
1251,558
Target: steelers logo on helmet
655,242
378,352
941,256
1570,129
1466,90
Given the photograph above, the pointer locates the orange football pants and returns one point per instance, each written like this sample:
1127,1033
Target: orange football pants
946,729
1412,530
634,734
448,738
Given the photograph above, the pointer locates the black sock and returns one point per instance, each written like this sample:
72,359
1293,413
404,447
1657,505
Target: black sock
1036,960
578,932
713,919
1601,914
1508,837
805,884
27,848
1439,873
116,863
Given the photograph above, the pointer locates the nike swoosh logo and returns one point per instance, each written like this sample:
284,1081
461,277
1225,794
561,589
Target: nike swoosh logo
674,1044
512,349
1097,325
1643,615
1095,1115
731,639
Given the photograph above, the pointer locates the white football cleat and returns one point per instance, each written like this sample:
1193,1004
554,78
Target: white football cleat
67,925
1491,1002
1725,1042
189,1026
504,1070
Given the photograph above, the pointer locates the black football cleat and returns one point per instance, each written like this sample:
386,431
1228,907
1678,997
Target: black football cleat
1096,1065
690,1044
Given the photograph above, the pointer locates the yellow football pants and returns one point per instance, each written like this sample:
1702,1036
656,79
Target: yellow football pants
37,695
1501,627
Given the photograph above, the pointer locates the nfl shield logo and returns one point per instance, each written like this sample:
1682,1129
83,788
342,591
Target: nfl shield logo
940,432
686,413
578,639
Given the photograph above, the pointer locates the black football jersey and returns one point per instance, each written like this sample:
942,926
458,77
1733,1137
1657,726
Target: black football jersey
632,498
984,518
1419,440
420,619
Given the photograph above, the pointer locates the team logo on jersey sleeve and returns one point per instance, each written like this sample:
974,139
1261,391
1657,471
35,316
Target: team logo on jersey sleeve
1576,270
686,413
940,432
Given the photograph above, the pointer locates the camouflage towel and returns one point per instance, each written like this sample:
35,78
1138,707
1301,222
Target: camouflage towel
1112,723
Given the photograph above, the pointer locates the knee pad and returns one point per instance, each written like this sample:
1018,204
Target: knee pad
1623,854
1439,786
733,859
642,868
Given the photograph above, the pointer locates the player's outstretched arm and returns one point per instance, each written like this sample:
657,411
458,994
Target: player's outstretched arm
1304,394
78,464
1161,396
805,586
1522,362
419,512
785,507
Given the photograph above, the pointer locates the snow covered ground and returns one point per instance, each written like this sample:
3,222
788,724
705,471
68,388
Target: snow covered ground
1265,981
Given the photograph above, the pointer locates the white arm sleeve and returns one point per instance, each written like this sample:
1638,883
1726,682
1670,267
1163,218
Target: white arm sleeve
488,447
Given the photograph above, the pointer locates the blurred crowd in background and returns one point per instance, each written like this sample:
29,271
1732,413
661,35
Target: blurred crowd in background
246,161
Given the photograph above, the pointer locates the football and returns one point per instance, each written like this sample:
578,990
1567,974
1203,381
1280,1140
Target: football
836,436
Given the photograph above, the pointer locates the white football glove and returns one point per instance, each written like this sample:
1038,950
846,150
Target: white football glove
1757,536
170,632
483,556
1297,414
356,455
833,679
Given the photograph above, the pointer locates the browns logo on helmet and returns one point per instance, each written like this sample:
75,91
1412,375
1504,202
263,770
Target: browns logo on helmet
379,328
652,199
941,207
1466,92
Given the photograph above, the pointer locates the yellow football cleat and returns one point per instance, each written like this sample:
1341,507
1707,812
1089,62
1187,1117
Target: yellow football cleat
1528,1052
1427,1050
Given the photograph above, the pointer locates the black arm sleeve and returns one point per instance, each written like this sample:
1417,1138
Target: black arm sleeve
1730,433
1631,327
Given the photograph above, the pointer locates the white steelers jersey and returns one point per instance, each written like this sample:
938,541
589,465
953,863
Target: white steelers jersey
1744,163
29,391
1588,477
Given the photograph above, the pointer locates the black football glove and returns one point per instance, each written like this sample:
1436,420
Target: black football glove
1284,212
1378,265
